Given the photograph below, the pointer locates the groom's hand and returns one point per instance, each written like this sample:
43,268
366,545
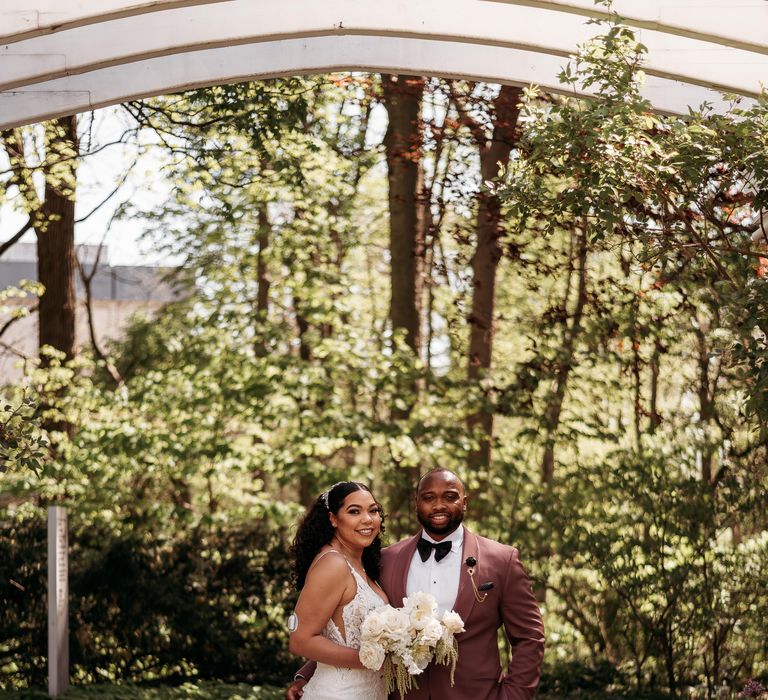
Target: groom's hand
295,690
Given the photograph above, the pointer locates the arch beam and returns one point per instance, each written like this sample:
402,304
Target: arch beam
166,74
79,54
468,23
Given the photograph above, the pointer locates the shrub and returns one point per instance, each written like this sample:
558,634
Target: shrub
208,603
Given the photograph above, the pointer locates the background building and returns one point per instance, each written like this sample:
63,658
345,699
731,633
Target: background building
118,292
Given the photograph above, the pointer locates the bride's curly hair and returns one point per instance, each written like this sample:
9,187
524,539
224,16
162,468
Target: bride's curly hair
315,531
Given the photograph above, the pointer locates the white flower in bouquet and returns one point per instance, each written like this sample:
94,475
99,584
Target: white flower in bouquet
431,633
409,664
422,655
420,606
447,650
373,626
452,622
401,642
372,655
394,622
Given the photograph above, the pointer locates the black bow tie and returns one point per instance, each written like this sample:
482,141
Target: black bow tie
425,547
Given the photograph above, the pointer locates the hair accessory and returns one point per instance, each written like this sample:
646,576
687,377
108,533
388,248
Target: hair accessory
324,495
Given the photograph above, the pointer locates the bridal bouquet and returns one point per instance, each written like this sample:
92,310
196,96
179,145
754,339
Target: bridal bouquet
402,641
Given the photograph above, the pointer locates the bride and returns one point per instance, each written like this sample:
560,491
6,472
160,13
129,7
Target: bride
336,567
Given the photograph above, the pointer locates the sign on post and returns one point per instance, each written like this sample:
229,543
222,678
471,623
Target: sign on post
58,602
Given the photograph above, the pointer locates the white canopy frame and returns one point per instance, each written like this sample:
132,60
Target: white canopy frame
73,55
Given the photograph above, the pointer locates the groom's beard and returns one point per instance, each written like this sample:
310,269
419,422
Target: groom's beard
451,524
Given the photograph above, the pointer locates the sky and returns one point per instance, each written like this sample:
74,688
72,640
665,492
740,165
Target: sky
97,177
144,189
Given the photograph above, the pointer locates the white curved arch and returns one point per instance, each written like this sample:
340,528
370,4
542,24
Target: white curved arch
303,56
468,23
96,52
20,21
739,24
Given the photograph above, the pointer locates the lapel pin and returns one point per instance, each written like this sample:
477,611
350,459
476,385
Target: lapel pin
471,563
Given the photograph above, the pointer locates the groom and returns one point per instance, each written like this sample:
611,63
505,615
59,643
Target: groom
482,580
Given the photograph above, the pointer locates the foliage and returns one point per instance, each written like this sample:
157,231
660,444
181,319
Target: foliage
686,190
665,581
206,603
22,442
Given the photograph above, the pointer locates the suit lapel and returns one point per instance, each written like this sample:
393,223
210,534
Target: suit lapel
465,598
400,579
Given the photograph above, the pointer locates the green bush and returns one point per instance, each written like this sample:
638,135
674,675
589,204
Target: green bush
209,603
573,677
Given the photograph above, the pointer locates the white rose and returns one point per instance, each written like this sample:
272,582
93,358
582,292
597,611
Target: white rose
452,622
373,625
394,623
372,655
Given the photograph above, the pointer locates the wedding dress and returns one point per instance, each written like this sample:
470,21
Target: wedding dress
333,683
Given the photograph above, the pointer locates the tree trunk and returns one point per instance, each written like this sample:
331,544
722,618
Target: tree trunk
305,483
403,143
262,280
55,229
493,153
565,360
637,383
706,393
655,417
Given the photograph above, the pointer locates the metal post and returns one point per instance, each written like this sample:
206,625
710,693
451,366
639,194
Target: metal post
58,602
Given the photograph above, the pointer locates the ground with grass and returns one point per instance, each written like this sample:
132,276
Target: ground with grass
208,690
212,690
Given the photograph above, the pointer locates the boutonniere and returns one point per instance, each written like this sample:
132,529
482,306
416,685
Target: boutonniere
471,563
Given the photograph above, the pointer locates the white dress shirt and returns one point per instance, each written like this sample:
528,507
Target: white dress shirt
440,578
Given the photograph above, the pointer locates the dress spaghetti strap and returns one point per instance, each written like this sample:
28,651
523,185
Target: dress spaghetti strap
328,551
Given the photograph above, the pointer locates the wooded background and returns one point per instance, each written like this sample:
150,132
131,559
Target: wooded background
563,301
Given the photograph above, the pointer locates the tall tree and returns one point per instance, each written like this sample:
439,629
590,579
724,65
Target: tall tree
55,229
495,141
403,143
570,316
51,213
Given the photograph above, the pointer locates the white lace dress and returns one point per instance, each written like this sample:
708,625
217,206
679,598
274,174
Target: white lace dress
333,683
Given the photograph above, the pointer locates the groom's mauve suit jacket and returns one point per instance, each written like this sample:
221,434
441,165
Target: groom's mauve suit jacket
510,603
